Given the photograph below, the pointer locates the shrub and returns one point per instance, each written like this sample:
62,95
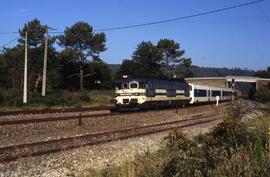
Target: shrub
55,98
185,157
234,110
262,95
127,169
230,149
228,133
155,164
11,97
177,140
85,98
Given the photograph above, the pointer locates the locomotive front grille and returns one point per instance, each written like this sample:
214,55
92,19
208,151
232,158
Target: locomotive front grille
133,100
125,101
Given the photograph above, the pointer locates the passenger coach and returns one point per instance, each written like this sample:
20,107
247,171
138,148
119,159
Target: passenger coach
139,92
204,93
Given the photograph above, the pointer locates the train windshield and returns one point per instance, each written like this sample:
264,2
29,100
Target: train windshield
121,86
118,86
133,85
130,84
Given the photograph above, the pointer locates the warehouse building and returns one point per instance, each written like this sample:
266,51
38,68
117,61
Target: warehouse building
241,82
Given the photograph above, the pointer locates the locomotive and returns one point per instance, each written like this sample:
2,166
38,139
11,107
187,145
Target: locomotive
143,92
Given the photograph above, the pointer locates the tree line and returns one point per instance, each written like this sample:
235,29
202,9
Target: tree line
78,66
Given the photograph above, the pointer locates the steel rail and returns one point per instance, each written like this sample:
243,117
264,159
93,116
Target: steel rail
76,117
60,110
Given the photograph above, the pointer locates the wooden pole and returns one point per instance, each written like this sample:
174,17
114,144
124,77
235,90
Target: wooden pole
43,93
25,70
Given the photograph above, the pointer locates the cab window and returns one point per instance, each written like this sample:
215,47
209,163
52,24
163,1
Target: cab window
125,86
117,86
133,85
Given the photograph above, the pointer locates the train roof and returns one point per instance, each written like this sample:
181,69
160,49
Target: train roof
210,87
149,80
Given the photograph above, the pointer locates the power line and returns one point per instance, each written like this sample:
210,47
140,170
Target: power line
180,18
9,32
238,19
202,21
3,46
167,20
264,14
173,19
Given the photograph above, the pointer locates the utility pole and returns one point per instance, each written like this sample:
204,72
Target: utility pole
25,70
43,93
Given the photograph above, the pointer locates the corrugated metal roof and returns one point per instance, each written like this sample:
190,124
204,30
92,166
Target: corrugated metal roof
229,78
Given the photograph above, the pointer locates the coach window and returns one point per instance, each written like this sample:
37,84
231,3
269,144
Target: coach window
226,93
216,93
199,93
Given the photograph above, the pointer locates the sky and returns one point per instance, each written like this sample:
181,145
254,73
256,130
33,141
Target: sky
238,37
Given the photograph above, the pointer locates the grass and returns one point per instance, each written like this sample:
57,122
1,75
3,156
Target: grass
267,108
57,99
100,97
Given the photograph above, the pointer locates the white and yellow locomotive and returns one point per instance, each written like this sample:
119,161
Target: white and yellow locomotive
147,92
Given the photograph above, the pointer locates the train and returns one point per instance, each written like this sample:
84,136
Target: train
145,93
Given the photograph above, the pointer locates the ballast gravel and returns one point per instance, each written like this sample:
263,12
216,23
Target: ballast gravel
36,132
97,156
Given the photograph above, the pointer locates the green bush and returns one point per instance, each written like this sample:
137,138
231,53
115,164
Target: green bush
228,133
11,97
155,163
185,156
85,98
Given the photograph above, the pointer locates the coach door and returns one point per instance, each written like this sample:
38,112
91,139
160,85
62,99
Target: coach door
150,92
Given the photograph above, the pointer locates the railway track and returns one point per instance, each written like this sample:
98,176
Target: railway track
14,152
78,117
51,119
63,110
